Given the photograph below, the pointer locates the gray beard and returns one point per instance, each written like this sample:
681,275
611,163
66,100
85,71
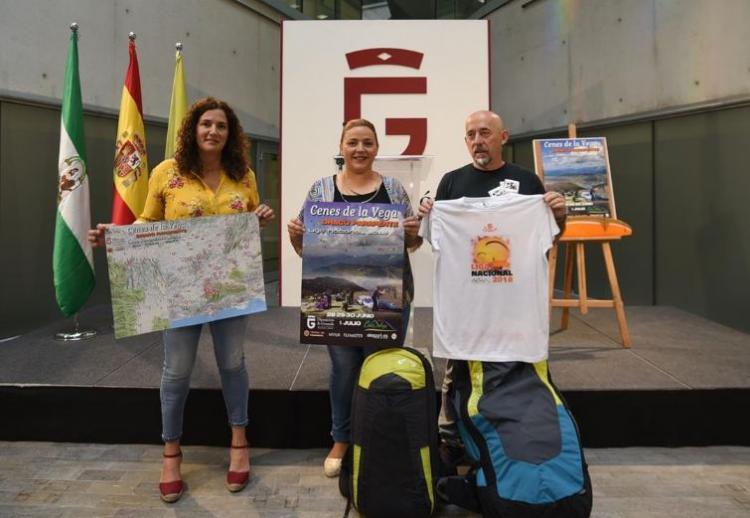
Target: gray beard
482,161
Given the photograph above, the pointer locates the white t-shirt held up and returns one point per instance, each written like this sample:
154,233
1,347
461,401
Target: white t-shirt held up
490,283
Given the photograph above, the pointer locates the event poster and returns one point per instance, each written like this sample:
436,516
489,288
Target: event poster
178,273
577,168
352,274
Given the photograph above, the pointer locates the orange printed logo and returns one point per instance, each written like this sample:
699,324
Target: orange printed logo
489,227
491,259
491,252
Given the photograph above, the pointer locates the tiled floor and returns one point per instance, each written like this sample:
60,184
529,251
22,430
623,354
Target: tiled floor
86,480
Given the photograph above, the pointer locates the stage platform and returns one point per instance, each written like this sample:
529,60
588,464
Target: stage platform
684,382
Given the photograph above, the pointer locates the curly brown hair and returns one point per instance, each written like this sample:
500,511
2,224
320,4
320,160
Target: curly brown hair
235,152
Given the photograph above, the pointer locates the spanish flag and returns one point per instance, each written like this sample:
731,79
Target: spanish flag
131,166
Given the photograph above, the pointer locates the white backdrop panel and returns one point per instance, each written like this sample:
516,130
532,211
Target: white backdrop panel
455,66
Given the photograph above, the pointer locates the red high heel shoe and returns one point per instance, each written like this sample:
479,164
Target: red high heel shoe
170,492
237,480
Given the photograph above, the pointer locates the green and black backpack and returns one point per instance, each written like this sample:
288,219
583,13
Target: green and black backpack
391,468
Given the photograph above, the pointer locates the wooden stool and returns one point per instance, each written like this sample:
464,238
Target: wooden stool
578,232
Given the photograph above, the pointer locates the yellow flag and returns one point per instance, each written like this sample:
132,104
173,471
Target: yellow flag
177,106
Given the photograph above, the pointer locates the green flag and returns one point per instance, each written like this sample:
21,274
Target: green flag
72,262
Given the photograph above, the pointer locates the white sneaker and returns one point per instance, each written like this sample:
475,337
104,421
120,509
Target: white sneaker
331,467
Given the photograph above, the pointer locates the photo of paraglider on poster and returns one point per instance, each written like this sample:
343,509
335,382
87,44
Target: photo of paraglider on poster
577,168
352,274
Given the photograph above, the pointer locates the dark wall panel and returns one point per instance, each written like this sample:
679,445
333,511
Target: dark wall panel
631,160
29,140
523,154
692,251
701,220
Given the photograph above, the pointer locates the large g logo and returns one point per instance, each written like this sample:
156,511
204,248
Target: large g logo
356,87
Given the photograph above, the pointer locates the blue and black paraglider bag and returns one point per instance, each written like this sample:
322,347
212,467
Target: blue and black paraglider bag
523,440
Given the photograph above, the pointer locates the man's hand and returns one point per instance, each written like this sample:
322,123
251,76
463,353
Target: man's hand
556,202
424,207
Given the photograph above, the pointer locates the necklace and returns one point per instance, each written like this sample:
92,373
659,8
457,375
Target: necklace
375,193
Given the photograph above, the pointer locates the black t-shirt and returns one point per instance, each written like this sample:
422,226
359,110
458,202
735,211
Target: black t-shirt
475,183
380,197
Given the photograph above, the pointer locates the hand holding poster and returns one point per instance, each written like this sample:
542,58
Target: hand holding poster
184,272
352,274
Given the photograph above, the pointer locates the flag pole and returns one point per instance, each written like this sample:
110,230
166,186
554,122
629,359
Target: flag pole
72,177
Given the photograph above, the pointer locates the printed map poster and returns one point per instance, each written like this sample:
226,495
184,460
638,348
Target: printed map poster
184,272
352,274
577,168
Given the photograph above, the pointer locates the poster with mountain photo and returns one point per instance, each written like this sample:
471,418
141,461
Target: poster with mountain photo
577,168
352,274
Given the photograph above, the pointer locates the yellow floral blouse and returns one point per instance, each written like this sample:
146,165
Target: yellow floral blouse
175,196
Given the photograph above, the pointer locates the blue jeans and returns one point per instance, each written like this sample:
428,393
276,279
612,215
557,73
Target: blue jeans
345,363
180,347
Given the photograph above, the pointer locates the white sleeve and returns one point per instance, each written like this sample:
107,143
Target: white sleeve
424,228
428,230
548,228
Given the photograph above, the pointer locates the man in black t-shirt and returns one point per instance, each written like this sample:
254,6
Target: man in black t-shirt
487,175
485,137
472,182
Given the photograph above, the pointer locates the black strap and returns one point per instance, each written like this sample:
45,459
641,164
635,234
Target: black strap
348,507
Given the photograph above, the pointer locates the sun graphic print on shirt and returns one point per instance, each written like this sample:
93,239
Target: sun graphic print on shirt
490,259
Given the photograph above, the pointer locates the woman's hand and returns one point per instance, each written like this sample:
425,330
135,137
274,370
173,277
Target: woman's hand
264,213
96,235
296,230
411,232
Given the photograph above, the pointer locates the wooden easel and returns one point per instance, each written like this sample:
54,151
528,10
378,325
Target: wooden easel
575,251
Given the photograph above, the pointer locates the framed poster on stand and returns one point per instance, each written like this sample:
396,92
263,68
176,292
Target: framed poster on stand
577,168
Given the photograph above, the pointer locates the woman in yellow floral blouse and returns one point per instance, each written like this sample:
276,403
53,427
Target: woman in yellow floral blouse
208,176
